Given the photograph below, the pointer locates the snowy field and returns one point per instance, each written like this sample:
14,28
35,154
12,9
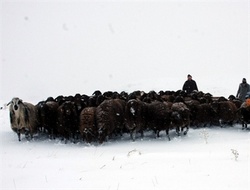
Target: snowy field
49,48
203,159
211,158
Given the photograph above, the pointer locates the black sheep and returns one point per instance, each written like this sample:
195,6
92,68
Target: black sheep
158,117
180,117
67,125
135,117
47,117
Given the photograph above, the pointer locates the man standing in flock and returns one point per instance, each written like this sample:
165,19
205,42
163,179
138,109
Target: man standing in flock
190,85
244,87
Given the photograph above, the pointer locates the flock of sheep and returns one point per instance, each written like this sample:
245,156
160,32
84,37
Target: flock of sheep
103,115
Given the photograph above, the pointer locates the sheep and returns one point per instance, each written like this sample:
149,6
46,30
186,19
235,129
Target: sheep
193,106
158,117
60,99
244,111
87,127
23,118
140,95
47,117
135,117
180,117
124,96
96,99
79,103
167,96
205,115
226,111
109,118
67,123
235,100
153,96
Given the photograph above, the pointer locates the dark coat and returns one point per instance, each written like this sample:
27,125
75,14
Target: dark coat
189,86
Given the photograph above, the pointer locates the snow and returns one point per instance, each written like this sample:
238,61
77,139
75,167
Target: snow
132,111
65,47
187,162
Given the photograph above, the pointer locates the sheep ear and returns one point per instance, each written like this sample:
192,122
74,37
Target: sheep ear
9,103
20,101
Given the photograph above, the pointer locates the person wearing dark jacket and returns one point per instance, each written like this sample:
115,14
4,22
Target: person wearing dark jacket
243,89
190,85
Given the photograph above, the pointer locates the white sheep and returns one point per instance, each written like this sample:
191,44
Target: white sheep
23,118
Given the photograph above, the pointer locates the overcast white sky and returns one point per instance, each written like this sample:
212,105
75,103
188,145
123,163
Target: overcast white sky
52,47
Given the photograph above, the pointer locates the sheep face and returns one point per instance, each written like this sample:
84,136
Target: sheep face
15,104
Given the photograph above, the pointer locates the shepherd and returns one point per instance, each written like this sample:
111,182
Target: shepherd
243,89
189,85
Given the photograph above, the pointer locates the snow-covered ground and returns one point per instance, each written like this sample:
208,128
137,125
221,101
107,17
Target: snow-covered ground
65,47
203,159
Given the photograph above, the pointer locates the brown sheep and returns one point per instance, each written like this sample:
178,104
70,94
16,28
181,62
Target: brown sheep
110,118
205,115
244,111
135,117
87,127
193,106
180,117
226,112
23,118
235,100
158,117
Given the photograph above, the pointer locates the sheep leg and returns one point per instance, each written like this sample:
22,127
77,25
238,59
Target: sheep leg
27,134
167,133
51,135
244,125
158,133
178,131
19,134
221,123
142,134
186,131
155,133
133,134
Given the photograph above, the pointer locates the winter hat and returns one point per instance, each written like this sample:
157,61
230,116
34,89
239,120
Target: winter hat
189,75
